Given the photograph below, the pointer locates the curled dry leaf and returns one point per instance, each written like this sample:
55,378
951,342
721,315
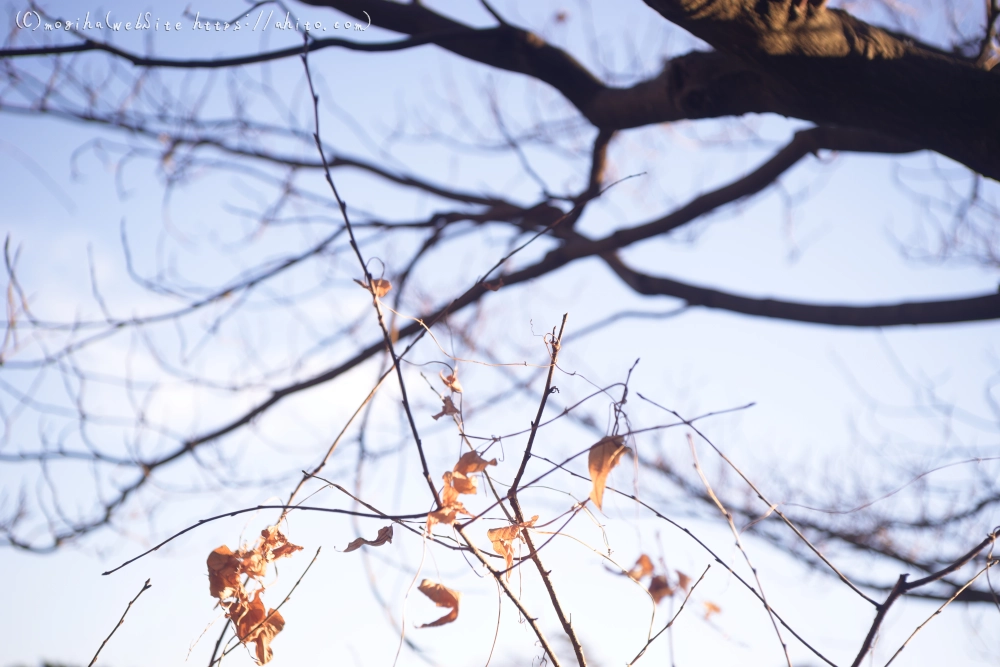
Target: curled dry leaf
643,567
503,539
225,570
660,588
448,408
710,609
442,597
463,484
223,573
384,535
450,505
683,581
255,624
458,482
451,381
604,456
472,462
379,287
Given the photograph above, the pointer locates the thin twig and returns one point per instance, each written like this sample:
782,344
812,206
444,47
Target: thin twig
674,618
704,546
386,334
532,621
760,495
564,620
940,609
306,508
739,543
883,608
146,586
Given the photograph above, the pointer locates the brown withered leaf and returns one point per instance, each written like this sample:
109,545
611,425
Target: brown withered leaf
450,505
604,456
379,287
384,535
448,408
226,566
683,580
710,609
446,515
275,545
224,573
451,381
258,625
643,567
471,462
442,597
493,285
503,539
660,588
463,484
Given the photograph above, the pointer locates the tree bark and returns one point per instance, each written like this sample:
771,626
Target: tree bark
826,66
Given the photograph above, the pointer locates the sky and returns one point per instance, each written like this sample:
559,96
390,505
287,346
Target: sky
828,404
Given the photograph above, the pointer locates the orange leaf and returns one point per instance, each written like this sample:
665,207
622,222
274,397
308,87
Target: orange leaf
604,456
451,381
254,624
660,588
275,545
379,287
472,462
711,608
448,408
503,539
463,484
384,535
224,573
446,515
450,506
442,597
226,566
643,567
683,580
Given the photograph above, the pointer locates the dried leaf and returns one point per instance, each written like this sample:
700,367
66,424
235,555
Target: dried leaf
442,597
448,408
384,535
275,545
379,287
450,506
660,588
451,381
254,624
472,462
604,456
683,580
643,567
493,285
226,566
224,573
463,484
503,539
446,515
710,609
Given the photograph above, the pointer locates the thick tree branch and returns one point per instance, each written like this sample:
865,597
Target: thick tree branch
970,309
826,66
